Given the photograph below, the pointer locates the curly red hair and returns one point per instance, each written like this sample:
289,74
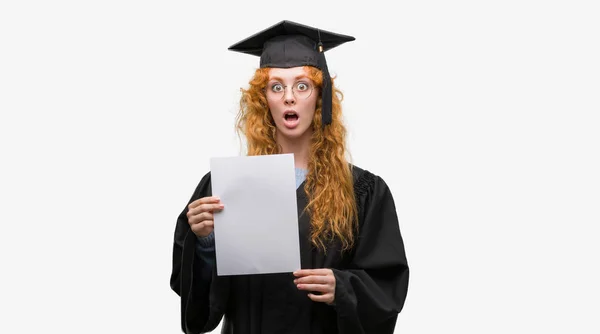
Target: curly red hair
329,182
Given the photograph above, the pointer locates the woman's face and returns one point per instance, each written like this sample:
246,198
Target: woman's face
292,99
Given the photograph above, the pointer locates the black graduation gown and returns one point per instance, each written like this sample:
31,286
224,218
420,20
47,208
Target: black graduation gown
371,280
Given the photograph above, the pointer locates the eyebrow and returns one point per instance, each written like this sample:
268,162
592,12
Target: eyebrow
301,76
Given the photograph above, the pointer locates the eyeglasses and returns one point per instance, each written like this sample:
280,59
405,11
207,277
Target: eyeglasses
300,89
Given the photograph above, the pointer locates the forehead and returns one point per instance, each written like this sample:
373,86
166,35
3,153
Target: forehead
287,73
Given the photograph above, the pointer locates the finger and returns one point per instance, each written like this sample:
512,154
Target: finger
200,217
205,208
327,298
307,272
313,279
212,207
315,287
204,200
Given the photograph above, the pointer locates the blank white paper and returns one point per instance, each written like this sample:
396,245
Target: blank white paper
257,231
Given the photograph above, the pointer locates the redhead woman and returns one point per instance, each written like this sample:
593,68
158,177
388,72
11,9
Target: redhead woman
354,273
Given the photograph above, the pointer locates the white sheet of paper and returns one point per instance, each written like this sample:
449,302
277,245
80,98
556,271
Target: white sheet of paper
257,231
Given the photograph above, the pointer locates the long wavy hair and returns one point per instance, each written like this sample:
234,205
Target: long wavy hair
329,182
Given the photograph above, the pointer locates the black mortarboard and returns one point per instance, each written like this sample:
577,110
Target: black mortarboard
289,44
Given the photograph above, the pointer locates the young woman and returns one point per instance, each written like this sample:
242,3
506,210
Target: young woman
354,275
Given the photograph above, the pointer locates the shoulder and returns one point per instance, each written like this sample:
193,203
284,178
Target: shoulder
374,201
368,184
365,180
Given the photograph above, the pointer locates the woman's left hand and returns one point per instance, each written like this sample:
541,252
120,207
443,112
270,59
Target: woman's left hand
321,281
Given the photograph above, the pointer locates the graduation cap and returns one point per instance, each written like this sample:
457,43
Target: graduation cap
289,44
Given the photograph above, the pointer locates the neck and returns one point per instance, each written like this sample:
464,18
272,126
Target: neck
300,147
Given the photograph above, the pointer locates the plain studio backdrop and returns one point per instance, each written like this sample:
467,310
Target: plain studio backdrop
482,116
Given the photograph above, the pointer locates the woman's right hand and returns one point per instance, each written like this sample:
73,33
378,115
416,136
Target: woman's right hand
200,215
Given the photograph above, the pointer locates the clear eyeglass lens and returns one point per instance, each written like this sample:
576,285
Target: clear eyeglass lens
301,90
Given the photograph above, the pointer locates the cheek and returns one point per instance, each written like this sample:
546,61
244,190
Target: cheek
310,108
272,109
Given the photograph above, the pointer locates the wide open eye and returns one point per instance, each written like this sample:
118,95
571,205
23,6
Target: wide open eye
277,88
302,86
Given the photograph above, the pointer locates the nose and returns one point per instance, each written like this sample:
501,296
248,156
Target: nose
289,97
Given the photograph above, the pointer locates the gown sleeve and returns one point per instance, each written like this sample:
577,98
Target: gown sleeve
203,298
371,292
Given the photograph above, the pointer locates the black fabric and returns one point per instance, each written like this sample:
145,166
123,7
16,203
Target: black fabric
255,44
290,44
371,280
290,51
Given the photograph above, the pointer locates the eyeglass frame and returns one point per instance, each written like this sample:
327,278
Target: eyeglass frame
308,83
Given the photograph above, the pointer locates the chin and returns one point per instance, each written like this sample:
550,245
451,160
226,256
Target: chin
296,133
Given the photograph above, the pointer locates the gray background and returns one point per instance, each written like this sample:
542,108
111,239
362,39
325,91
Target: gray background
481,116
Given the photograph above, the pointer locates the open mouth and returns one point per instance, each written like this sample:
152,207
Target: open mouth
290,119
291,116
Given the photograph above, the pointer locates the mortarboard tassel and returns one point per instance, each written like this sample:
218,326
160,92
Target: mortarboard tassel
326,94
